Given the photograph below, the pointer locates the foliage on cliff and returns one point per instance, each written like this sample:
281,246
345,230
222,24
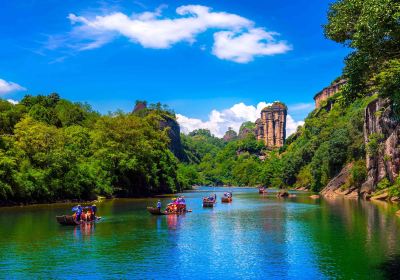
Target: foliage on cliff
52,149
310,158
372,29
327,141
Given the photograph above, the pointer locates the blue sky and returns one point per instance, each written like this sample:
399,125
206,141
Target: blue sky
224,55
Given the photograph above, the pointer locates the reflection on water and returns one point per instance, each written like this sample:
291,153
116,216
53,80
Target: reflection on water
84,231
172,221
255,237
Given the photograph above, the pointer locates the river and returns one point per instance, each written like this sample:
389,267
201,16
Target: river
254,237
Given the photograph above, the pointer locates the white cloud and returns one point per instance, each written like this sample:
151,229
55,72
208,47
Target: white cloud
237,39
292,125
8,87
219,121
12,101
242,48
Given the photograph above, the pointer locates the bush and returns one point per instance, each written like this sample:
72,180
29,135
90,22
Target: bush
394,191
358,173
383,184
374,144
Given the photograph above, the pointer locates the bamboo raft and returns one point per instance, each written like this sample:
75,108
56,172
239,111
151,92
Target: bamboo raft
225,199
209,203
157,212
68,220
262,190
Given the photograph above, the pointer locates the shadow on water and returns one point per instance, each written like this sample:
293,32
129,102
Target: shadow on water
391,268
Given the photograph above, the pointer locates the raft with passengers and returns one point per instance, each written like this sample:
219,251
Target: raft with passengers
209,201
80,216
176,207
227,197
262,190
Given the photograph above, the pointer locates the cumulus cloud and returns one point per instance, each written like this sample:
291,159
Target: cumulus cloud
219,121
12,101
236,38
8,87
242,48
292,125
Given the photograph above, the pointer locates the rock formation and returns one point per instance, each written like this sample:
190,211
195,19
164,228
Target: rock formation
334,187
230,135
168,121
140,105
385,163
245,129
271,127
328,92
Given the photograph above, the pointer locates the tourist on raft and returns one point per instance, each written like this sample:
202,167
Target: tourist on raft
89,215
178,205
228,194
94,211
159,205
79,213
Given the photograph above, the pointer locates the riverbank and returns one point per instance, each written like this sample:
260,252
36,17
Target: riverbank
82,201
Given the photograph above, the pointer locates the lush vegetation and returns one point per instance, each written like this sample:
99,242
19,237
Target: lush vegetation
311,157
372,29
332,136
52,149
223,163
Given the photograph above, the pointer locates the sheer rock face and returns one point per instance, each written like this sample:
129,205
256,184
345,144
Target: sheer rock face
244,132
139,106
327,92
271,127
334,187
379,120
174,131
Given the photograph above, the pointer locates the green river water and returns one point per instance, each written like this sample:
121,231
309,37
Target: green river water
254,237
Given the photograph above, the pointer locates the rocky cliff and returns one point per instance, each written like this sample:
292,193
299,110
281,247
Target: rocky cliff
334,187
327,92
230,135
271,127
245,129
382,142
174,134
383,161
167,121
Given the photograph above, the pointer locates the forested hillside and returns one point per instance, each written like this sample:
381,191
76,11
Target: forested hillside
331,137
52,149
356,131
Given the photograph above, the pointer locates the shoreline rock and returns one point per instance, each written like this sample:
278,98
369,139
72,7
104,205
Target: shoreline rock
282,193
382,196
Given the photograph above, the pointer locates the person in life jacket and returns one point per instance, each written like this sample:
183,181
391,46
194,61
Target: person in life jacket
78,213
89,216
83,216
94,211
